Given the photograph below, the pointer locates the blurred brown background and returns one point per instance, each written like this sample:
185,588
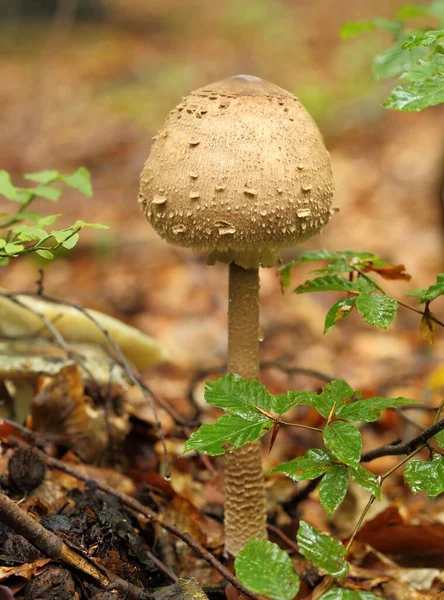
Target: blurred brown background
88,82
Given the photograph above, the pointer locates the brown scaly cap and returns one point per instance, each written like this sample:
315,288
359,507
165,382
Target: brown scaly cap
239,169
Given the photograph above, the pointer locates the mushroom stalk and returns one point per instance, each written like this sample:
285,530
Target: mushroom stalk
245,515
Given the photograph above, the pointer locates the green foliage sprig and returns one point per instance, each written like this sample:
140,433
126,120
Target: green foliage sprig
251,412
25,231
352,273
416,56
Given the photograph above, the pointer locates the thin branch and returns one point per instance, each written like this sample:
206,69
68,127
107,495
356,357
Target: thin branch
408,447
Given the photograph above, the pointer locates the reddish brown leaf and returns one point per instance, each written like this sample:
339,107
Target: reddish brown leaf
388,271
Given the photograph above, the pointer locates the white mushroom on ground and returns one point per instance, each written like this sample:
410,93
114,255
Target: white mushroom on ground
239,170
17,321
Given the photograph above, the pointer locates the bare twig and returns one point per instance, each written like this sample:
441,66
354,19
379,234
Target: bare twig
408,447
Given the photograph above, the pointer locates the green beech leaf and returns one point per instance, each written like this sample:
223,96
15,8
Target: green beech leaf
432,292
334,395
45,191
333,487
61,235
407,12
370,409
239,396
366,480
419,95
341,594
267,570
377,309
436,9
80,180
354,28
26,233
285,402
395,60
14,248
44,177
79,224
338,312
230,431
71,241
335,283
317,255
423,38
7,189
313,464
424,69
45,254
341,265
48,220
325,552
439,437
425,476
344,441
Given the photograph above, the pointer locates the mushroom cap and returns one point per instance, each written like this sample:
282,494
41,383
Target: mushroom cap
239,169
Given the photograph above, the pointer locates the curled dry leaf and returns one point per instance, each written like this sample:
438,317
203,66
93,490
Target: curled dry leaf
61,410
427,328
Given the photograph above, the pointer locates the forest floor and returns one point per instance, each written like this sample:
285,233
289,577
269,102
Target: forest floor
94,95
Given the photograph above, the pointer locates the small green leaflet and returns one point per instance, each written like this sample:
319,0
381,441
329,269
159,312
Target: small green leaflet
7,189
324,551
338,312
366,480
80,180
44,177
424,69
354,28
419,95
336,283
81,224
333,488
313,464
432,292
267,570
395,60
14,248
344,441
229,432
28,232
427,476
45,254
341,594
377,309
423,38
439,437
239,396
45,191
370,409
284,402
334,395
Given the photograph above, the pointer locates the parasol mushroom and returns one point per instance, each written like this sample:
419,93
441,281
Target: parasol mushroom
239,170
